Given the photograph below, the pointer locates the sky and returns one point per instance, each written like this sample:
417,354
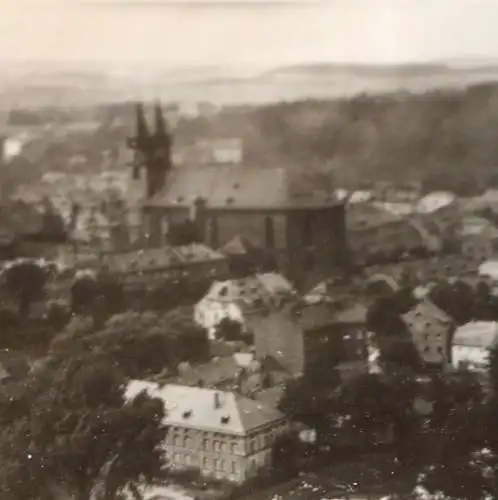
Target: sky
252,32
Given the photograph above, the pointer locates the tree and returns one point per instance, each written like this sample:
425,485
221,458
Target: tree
458,433
25,280
80,434
138,343
485,305
309,403
285,454
231,331
383,318
455,299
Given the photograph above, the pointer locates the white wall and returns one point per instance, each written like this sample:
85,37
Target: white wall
476,357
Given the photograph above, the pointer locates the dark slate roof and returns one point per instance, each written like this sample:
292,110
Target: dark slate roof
234,187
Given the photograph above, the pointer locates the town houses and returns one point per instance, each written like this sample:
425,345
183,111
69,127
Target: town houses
272,286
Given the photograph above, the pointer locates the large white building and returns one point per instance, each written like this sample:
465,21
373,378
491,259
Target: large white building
232,299
223,434
471,344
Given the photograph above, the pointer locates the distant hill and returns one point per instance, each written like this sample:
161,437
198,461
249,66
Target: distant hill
86,84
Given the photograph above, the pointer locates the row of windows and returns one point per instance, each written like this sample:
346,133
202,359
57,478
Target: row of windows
207,444
220,465
255,444
208,464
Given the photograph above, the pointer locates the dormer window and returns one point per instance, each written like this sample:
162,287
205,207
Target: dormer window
225,420
187,414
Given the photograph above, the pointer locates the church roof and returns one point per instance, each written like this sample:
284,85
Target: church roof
236,187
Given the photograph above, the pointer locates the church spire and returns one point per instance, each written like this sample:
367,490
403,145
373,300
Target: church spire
142,130
160,123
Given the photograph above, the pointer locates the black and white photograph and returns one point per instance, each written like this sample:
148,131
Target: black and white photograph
248,249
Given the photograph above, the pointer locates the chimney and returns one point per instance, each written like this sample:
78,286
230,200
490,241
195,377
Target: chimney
217,401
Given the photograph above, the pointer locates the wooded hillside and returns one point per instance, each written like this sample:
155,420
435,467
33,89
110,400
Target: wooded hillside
449,139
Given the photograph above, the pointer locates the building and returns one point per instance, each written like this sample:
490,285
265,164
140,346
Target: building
303,337
141,269
236,298
489,269
430,329
377,236
435,201
471,344
305,233
224,435
480,245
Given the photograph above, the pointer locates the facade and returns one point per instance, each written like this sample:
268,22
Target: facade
233,299
471,343
303,337
305,233
224,435
430,329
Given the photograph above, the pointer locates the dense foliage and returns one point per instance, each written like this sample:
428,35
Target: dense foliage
138,343
69,429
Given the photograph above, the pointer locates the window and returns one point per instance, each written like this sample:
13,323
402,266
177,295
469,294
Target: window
234,467
222,465
233,448
205,463
269,232
216,464
205,444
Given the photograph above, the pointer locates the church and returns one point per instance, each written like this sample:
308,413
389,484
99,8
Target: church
304,234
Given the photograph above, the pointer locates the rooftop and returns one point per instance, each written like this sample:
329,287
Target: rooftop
255,291
365,216
423,310
207,409
236,187
159,258
435,201
477,334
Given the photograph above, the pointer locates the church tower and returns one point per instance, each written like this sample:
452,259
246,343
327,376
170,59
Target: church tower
152,151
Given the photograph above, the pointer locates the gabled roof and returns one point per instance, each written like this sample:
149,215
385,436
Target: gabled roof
236,187
477,334
207,409
239,246
424,310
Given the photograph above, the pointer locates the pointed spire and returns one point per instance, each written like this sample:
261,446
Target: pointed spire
160,123
142,131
